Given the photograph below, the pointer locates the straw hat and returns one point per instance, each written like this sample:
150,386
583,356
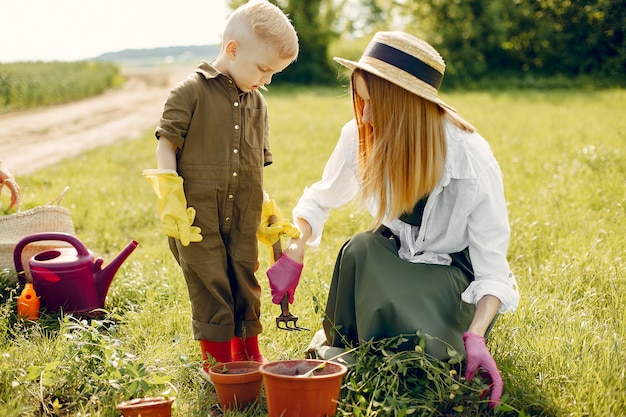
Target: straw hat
404,60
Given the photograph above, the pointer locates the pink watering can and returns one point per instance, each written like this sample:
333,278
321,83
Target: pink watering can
69,278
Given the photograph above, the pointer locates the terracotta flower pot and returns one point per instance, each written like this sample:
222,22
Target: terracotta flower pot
237,384
147,407
289,392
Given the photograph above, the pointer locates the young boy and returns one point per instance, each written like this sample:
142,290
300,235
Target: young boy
212,147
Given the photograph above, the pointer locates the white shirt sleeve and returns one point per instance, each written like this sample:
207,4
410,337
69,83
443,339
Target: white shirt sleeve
339,184
488,232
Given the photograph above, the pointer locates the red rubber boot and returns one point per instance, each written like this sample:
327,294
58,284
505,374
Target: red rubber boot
220,351
246,349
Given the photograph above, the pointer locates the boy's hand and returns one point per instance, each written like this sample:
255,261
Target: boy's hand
284,276
270,233
176,217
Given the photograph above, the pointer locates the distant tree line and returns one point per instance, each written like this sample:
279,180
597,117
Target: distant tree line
478,38
540,37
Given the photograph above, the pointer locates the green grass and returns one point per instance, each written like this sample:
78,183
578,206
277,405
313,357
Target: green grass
561,353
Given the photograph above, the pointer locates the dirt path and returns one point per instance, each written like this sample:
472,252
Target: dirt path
34,139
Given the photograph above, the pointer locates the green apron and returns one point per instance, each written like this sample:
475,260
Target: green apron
375,295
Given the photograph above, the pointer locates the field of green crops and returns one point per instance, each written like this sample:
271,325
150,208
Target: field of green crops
561,353
27,84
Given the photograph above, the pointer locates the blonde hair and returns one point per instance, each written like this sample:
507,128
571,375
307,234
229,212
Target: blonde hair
402,153
267,23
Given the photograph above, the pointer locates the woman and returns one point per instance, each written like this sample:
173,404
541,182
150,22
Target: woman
435,257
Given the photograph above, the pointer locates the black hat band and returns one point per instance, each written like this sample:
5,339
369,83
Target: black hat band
405,62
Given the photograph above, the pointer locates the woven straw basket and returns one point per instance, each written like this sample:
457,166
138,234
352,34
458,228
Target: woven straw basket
13,227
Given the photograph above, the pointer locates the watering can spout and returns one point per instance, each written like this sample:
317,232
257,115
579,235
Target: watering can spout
104,277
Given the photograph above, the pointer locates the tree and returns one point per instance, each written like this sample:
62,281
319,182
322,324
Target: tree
546,37
571,38
311,20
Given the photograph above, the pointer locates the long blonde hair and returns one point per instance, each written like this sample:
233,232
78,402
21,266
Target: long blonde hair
402,153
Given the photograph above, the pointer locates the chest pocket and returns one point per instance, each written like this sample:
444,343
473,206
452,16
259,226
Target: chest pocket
255,137
255,130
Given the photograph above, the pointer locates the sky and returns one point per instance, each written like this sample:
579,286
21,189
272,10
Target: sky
70,30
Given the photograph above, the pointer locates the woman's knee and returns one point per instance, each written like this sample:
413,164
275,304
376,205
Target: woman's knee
370,242
361,239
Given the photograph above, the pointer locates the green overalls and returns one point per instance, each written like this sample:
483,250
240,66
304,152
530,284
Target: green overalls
222,135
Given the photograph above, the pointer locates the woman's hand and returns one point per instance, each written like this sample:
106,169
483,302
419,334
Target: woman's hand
295,247
284,275
478,356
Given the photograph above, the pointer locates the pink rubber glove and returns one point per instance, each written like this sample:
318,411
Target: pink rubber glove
478,356
284,276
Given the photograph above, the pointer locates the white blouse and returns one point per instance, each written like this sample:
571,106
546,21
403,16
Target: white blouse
467,208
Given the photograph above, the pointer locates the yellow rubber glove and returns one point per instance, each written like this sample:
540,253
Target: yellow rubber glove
176,217
269,234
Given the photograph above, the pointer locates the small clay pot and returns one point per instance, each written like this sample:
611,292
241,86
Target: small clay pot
237,384
290,393
147,407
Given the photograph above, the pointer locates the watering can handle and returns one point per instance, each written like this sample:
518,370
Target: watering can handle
36,237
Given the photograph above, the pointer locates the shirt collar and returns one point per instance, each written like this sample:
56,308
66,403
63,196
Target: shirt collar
207,70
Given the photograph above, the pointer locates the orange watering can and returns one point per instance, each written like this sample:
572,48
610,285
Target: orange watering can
69,278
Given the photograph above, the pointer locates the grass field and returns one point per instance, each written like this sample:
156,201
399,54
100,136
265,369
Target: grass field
561,353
